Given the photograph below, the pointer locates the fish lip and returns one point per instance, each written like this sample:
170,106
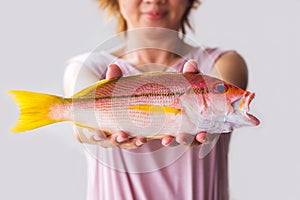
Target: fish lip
243,104
249,96
253,119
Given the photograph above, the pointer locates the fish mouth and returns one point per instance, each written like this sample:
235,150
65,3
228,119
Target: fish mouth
253,119
248,98
242,105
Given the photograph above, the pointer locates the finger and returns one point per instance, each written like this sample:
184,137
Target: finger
185,138
133,143
113,71
109,141
78,138
139,141
169,141
191,66
118,138
201,137
101,138
166,141
121,137
97,135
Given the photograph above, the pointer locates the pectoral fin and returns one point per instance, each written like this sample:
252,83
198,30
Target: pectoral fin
190,106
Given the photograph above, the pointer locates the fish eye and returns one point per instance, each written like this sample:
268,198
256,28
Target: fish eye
220,88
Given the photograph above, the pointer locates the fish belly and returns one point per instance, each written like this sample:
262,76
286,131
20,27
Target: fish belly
112,115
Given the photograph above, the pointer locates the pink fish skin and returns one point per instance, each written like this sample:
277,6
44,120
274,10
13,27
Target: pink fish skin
150,105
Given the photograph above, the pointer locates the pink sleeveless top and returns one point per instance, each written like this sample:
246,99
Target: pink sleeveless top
153,171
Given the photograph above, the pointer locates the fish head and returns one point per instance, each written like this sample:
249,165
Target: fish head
228,103
241,116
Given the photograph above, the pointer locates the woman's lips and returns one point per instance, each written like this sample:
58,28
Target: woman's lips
155,15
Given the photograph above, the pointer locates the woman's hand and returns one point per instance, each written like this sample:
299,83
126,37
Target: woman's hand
98,137
186,139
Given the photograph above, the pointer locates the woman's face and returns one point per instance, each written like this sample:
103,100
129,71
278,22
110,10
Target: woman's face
153,13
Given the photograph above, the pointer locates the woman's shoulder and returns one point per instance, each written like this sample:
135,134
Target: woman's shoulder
95,62
207,51
206,56
232,68
92,57
224,63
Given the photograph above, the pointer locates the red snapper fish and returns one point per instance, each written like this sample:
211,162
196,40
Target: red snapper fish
151,105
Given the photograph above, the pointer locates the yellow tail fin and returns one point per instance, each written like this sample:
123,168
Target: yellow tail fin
34,109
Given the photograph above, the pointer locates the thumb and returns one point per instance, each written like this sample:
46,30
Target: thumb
113,71
191,66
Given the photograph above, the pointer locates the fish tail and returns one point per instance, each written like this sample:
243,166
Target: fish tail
36,109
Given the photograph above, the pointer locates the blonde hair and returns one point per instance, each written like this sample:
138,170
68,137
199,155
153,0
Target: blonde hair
113,10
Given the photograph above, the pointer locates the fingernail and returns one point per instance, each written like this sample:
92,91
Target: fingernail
166,141
120,139
201,138
139,143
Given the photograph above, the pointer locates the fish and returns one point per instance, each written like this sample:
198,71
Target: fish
151,105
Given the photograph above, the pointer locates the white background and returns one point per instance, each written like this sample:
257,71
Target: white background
37,37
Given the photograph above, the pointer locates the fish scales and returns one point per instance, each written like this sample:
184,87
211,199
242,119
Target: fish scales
148,105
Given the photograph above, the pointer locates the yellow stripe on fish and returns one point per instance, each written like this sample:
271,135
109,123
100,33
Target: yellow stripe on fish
155,109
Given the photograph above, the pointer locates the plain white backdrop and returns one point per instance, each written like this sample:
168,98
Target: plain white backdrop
37,37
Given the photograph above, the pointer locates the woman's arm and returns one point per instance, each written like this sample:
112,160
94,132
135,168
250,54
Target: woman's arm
232,68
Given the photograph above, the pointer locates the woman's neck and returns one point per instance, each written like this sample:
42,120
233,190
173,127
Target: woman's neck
153,49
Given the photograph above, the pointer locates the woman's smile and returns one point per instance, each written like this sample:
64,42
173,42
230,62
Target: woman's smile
155,14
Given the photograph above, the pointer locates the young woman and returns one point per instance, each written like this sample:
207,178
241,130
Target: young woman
154,32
